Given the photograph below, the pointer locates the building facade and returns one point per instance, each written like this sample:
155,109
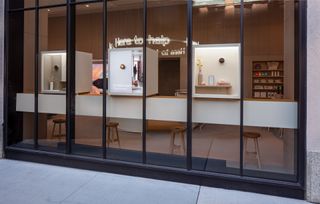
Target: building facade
217,93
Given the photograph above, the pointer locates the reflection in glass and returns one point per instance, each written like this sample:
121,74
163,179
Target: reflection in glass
166,109
125,80
52,79
216,87
270,111
21,57
88,121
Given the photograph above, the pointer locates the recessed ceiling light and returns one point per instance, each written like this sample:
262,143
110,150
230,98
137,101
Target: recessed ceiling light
87,5
48,10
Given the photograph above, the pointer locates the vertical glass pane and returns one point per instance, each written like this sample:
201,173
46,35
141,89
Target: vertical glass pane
124,98
166,80
216,86
88,77
21,58
270,110
52,79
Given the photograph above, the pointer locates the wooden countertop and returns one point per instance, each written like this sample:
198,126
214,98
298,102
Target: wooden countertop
209,99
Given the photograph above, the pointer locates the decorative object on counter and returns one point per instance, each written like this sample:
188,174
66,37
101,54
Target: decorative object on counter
200,77
273,65
200,74
222,82
211,80
122,66
51,88
221,60
135,83
257,66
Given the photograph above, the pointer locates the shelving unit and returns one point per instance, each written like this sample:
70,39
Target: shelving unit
267,79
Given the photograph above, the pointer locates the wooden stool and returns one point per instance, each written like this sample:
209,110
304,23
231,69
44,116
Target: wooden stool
180,130
254,136
112,129
59,122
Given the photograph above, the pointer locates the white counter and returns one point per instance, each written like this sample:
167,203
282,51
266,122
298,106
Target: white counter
278,114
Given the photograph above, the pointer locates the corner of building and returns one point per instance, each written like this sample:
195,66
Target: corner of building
313,103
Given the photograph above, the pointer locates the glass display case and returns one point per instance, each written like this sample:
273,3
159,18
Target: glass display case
126,71
54,72
216,71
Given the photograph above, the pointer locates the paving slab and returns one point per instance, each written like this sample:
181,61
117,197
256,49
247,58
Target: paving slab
119,189
26,182
222,196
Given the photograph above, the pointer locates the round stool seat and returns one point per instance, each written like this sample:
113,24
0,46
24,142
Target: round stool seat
178,129
252,135
59,121
112,124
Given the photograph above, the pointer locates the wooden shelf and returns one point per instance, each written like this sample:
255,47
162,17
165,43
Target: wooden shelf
212,89
213,86
263,92
267,76
267,70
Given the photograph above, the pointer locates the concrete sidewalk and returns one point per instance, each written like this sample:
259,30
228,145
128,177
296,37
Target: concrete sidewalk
25,182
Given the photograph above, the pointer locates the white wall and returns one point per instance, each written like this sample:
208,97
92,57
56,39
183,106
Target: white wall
313,101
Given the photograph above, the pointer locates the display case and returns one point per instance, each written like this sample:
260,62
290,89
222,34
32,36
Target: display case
54,72
216,71
126,71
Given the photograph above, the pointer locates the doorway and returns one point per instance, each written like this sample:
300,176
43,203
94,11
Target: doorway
169,76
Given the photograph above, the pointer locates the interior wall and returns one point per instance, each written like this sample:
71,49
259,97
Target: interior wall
263,33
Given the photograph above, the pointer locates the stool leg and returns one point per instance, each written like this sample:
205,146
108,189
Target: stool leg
281,132
245,150
117,136
173,135
113,134
60,133
257,152
183,143
53,129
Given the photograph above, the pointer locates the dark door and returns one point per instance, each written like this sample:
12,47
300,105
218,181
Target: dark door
169,76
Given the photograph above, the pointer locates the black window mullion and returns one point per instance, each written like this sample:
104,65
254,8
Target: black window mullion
241,83
189,86
104,95
144,100
6,74
70,93
301,49
36,78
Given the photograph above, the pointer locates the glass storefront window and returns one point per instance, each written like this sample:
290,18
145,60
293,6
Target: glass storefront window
242,89
52,79
125,80
270,91
216,88
21,59
166,83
